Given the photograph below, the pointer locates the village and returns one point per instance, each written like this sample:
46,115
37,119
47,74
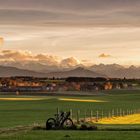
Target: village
34,84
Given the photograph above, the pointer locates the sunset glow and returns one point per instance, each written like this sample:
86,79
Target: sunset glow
1,41
91,31
70,69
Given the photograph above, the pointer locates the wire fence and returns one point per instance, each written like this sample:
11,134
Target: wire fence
96,115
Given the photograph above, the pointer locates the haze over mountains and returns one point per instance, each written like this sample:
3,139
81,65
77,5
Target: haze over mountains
12,71
117,71
57,36
19,63
78,72
40,70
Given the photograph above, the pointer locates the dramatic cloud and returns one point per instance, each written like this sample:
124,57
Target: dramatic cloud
71,28
70,62
48,59
16,55
104,55
24,57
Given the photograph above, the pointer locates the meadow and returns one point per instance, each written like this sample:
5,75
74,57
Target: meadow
16,111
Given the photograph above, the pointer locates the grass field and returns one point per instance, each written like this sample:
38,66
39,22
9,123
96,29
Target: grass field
74,135
36,109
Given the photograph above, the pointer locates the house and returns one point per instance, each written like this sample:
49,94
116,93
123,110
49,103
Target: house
108,86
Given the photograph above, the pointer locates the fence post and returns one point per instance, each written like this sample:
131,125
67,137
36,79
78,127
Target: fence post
97,115
120,112
78,114
127,112
57,111
131,112
117,113
109,115
85,116
91,115
102,114
71,114
112,112
123,112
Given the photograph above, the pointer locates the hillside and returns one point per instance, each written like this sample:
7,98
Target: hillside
117,71
12,71
78,72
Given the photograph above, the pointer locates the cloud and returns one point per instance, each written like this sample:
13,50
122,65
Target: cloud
48,59
25,57
101,12
75,5
16,55
104,55
1,40
70,62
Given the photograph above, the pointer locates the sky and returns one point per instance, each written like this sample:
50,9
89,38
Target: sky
79,31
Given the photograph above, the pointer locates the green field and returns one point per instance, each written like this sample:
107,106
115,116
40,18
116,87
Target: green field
24,113
74,135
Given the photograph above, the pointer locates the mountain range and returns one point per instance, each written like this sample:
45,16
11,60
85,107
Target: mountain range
6,71
78,72
101,70
117,71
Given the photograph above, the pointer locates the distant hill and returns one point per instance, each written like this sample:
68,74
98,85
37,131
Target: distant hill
12,71
109,70
117,71
78,72
112,71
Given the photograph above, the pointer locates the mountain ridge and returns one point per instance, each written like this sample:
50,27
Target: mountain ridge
78,72
102,70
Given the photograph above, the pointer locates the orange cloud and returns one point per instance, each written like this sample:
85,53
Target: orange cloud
104,55
1,40
26,56
47,59
70,62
